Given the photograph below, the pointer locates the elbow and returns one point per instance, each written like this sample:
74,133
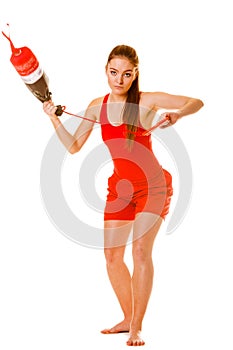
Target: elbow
72,151
74,148
200,104
196,104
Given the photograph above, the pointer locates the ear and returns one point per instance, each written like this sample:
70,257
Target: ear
106,71
136,73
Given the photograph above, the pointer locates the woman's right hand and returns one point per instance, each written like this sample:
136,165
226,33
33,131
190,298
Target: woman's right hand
50,109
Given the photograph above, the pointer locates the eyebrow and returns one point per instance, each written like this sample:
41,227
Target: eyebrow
127,70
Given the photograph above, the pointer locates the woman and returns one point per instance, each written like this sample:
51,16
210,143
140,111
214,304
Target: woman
140,190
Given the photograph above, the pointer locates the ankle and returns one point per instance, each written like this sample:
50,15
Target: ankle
135,326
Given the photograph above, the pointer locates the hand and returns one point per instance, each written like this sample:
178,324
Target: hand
172,118
50,109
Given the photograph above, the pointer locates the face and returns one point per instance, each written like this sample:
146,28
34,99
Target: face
121,74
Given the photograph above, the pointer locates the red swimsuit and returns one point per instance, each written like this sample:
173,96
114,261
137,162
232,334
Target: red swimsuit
138,183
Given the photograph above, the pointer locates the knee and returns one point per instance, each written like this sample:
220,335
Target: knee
112,256
141,255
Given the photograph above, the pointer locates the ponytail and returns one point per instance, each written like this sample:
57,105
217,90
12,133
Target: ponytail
131,109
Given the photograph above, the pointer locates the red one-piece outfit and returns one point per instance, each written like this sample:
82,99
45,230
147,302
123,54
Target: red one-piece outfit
139,183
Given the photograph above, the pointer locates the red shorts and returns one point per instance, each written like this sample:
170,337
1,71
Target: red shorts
125,199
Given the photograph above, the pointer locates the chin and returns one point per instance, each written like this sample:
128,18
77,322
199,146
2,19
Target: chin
119,91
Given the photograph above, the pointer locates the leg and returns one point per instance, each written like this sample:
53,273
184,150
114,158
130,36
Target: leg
145,230
116,236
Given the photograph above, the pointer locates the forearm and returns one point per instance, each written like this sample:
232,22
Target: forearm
65,137
192,106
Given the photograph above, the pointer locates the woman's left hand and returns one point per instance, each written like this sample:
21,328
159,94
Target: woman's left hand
172,118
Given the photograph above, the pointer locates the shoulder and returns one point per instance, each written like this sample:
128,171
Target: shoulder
94,108
158,100
153,97
96,102
151,100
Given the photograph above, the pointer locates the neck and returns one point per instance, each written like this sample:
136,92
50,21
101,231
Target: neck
117,98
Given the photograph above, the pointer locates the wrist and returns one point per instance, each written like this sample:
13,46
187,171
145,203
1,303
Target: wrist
56,121
180,113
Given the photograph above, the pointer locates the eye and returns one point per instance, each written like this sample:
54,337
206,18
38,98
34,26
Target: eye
128,75
113,72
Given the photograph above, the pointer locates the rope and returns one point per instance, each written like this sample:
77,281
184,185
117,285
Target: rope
145,133
79,116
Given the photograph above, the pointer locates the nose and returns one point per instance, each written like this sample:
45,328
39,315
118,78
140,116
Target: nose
119,79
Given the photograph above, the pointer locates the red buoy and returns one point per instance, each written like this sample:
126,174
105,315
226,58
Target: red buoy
28,67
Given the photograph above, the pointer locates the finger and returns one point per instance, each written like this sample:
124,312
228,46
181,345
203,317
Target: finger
52,110
46,104
166,123
165,126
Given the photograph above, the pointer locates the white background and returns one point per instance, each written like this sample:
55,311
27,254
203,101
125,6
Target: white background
55,293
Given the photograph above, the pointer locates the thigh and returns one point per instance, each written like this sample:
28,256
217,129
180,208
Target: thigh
156,196
119,205
145,229
116,232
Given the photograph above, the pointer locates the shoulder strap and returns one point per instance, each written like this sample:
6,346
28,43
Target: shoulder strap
103,111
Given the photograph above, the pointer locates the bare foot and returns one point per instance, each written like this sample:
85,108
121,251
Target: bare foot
122,327
135,339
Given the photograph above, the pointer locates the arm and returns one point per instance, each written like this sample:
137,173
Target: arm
73,143
181,105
